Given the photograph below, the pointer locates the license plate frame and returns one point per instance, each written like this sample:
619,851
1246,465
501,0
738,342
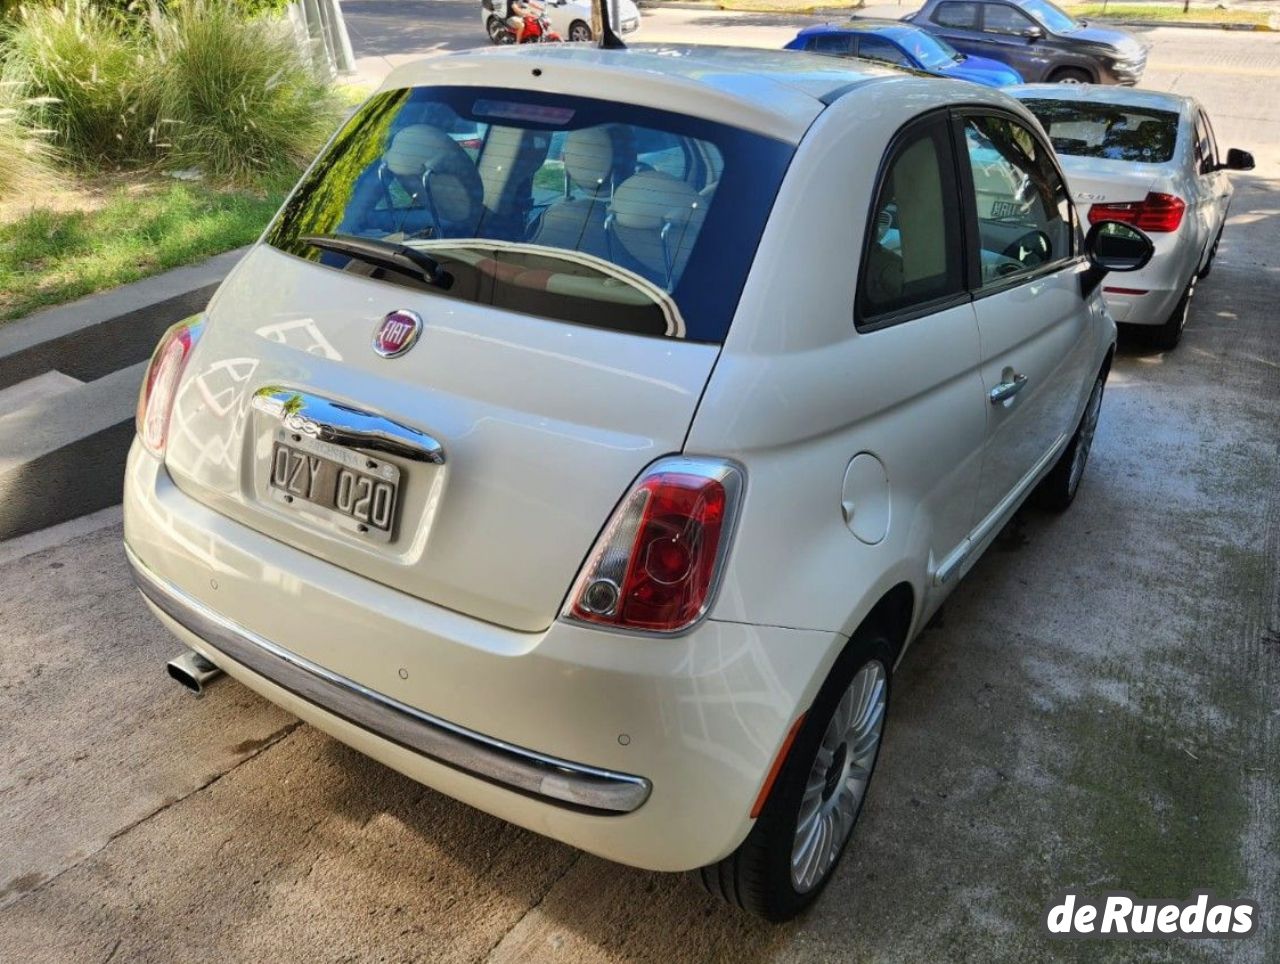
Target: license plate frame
334,462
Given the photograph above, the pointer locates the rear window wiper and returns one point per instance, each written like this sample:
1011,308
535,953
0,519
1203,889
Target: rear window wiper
385,254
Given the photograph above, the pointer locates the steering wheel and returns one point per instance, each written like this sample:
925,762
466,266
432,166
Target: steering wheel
1032,249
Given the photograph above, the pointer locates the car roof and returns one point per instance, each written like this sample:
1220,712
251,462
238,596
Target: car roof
778,93
863,25
1105,94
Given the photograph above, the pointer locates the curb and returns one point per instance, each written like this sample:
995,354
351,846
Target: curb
64,456
1206,25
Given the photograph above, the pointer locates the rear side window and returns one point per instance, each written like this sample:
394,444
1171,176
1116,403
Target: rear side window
962,16
568,208
1081,129
1023,211
831,43
914,255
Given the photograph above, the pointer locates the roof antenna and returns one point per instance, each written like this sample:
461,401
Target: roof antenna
602,26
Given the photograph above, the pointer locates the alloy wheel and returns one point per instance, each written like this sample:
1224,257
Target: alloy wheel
837,781
1084,440
579,32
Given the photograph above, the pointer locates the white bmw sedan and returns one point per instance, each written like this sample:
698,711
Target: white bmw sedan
1149,159
604,487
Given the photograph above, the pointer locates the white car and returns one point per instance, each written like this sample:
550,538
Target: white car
1149,159
605,492
571,19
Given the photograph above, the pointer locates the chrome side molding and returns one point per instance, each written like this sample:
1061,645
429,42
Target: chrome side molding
547,778
338,424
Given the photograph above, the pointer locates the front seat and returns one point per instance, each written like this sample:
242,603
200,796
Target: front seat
655,219
439,176
595,159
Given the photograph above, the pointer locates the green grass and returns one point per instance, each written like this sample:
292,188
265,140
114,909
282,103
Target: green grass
49,257
1171,12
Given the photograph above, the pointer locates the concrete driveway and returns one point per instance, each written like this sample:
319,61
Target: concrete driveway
1096,710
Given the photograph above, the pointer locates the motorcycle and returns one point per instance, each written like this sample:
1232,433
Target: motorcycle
537,30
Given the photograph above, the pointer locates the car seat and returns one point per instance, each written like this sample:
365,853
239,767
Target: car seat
595,159
439,175
654,219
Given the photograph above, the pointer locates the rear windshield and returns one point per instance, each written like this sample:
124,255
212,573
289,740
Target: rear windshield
568,208
1108,130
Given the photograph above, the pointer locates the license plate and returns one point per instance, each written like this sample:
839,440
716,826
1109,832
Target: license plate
359,492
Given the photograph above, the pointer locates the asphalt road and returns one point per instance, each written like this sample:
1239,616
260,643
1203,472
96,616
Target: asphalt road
1096,710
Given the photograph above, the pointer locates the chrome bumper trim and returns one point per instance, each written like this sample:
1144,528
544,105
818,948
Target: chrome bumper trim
548,778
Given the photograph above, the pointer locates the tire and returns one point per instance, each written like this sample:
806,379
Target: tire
1168,335
759,876
1071,75
579,32
1059,488
500,33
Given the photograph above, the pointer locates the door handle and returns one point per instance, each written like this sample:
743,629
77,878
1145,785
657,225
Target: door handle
1007,389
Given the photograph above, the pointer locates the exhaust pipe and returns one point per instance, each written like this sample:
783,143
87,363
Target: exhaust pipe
193,671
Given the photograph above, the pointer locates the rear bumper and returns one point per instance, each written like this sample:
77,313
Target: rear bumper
649,752
547,778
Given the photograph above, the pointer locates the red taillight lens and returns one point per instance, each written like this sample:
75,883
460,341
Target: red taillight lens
1157,212
160,386
656,566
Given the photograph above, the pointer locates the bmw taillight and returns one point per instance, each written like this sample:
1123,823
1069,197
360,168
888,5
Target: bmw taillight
160,385
1158,213
656,566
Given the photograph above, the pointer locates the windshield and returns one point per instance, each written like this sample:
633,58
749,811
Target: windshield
1051,18
1111,131
928,50
567,208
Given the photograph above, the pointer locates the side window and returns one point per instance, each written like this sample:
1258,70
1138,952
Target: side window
1023,210
831,43
961,16
877,48
1205,148
913,250
1003,19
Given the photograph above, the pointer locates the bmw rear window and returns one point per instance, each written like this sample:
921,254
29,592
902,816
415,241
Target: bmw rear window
1112,131
568,208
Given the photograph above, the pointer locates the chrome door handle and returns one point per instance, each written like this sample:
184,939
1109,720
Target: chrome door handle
339,424
1007,389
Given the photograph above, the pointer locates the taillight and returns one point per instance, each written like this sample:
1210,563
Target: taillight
1157,212
160,385
656,566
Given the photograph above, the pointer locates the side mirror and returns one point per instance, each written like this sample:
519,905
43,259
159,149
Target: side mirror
1238,160
1034,33
1116,246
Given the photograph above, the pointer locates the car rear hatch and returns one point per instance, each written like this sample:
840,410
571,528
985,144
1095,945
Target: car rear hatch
1099,181
476,465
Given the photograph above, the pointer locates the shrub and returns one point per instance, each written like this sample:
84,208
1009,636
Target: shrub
238,98
23,153
92,81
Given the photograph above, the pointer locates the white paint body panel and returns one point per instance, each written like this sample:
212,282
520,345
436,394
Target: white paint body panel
545,425
563,14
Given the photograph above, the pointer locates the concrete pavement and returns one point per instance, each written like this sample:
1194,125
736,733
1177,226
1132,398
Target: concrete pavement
1096,710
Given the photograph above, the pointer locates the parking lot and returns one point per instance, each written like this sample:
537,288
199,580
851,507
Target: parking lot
1094,710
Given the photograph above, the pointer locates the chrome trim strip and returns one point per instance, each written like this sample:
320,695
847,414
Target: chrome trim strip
343,425
548,778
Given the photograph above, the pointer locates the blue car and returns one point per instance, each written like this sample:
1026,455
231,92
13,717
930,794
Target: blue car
903,45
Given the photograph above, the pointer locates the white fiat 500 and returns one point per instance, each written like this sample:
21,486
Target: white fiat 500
1148,159
599,475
